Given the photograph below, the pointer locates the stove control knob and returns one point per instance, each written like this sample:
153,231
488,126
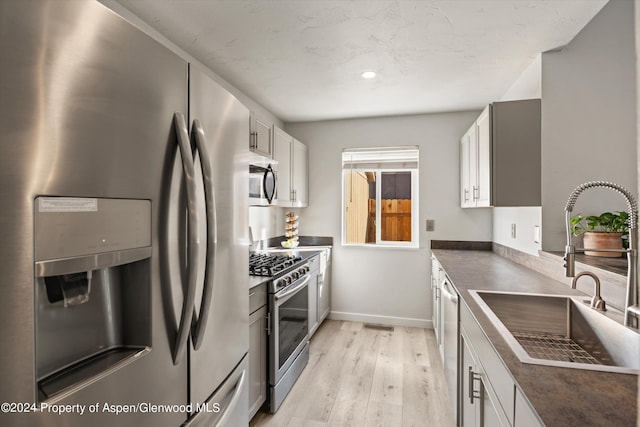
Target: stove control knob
295,275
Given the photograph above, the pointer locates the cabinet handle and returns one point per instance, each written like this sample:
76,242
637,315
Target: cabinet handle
476,189
268,328
473,394
466,194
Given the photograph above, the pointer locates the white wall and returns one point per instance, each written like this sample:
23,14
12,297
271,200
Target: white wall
386,285
266,222
589,118
528,85
525,220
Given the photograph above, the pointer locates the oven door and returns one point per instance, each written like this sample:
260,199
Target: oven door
289,310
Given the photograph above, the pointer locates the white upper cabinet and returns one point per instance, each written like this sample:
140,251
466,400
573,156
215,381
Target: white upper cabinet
293,175
260,140
500,156
300,173
468,168
483,154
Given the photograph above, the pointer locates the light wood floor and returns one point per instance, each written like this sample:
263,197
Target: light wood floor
359,377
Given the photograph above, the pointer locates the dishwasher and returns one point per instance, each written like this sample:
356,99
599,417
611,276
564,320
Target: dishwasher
449,298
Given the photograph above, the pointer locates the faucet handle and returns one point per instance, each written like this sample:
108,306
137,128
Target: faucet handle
598,303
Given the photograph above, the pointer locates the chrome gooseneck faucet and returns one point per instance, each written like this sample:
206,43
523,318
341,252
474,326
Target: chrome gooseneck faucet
632,310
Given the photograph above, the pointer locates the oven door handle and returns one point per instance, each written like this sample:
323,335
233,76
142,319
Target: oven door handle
293,290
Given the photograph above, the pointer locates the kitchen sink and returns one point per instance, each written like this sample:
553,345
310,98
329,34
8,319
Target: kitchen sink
562,331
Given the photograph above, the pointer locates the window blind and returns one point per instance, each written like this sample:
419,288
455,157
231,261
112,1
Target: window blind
380,158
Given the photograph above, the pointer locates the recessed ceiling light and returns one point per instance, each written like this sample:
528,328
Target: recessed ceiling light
368,74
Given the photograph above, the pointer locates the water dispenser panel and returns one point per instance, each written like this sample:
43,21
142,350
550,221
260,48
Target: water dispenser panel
72,227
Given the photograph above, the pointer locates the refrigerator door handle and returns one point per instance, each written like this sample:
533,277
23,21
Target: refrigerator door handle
234,400
200,320
192,236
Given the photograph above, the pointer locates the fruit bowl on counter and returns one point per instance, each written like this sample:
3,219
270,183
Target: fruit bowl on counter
290,244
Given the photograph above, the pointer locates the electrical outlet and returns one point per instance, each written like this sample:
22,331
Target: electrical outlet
513,231
431,223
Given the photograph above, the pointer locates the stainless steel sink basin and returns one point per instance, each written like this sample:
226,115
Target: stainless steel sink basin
563,331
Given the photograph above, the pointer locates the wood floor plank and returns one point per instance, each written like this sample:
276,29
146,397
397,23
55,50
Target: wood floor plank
325,378
301,422
422,399
352,326
387,376
415,347
355,387
360,360
383,414
349,413
363,377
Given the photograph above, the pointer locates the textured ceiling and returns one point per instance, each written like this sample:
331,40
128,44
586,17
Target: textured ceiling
302,59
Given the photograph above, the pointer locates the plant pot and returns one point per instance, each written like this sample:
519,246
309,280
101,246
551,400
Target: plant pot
601,240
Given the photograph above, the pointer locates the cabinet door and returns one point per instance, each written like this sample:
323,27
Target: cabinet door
257,360
324,285
300,174
313,295
261,138
483,185
435,295
282,154
465,181
525,416
488,413
469,399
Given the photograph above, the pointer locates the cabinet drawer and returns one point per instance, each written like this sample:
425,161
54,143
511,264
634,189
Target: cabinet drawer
498,376
257,297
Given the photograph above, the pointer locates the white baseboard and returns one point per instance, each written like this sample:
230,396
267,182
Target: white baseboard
382,320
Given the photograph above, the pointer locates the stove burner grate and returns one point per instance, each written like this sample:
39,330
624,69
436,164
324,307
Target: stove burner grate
270,265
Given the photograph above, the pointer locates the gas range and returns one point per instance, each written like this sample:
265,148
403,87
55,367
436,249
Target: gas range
269,265
283,269
288,277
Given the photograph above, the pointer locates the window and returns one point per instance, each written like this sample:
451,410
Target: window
380,197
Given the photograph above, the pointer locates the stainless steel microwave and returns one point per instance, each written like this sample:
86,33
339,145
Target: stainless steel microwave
262,185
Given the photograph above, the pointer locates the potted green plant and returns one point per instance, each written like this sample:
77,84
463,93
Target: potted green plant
605,231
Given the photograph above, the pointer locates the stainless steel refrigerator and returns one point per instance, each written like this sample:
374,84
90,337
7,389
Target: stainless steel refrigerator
123,224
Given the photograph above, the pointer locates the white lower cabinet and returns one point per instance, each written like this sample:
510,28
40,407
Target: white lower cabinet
478,403
436,277
319,289
314,264
488,394
324,285
257,349
525,416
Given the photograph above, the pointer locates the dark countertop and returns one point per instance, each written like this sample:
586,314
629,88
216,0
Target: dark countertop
560,396
257,281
